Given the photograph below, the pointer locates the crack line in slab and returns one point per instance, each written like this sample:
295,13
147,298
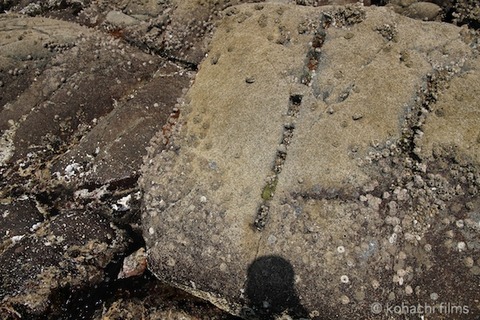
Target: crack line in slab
309,72
271,184
414,123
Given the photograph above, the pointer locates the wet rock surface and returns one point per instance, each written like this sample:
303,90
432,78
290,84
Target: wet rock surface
78,107
273,144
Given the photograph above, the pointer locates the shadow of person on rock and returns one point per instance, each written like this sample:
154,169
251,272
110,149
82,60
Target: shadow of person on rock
270,290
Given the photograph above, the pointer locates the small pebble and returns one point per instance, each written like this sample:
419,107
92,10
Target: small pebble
357,116
468,262
250,80
408,290
344,299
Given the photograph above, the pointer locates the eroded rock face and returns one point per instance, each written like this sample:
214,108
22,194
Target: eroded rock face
76,251
85,84
77,109
331,153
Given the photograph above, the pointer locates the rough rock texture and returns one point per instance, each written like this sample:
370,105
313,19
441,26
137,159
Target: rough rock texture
78,107
70,250
325,160
84,85
467,12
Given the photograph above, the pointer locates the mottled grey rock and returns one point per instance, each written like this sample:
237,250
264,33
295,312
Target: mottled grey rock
341,177
120,19
75,253
108,114
426,11
423,11
27,45
113,148
77,110
78,107
317,3
17,219
467,12
150,8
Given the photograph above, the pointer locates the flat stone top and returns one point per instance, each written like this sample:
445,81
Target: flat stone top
317,166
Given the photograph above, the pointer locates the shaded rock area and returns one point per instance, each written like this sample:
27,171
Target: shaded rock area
314,176
78,107
308,161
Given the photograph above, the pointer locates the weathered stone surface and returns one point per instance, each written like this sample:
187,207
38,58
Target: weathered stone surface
317,3
423,11
97,121
120,19
18,218
159,301
467,12
79,104
75,253
454,120
113,149
78,108
27,45
319,154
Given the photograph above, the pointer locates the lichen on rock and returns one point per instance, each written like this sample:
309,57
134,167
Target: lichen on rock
363,167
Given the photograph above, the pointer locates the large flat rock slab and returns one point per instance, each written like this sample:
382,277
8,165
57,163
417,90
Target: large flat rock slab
319,168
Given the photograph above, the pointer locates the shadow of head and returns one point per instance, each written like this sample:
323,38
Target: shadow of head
270,289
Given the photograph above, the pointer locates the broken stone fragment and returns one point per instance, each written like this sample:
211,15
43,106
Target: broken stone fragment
134,265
